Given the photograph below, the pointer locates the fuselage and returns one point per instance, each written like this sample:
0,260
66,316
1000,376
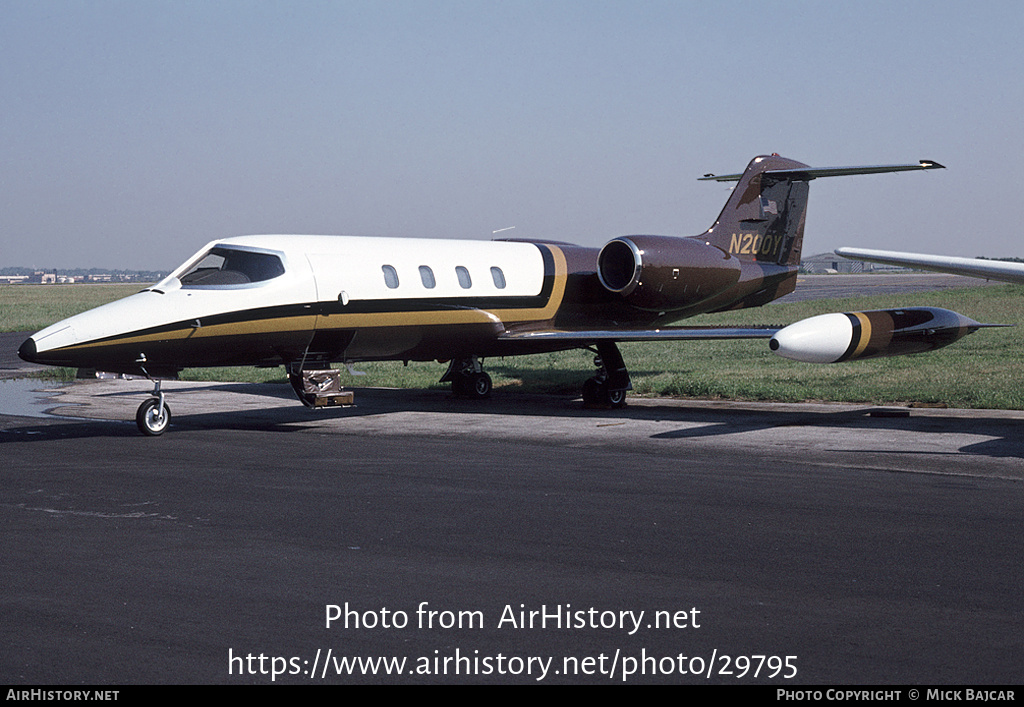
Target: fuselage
271,300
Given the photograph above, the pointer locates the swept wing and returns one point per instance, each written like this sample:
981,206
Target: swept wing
971,267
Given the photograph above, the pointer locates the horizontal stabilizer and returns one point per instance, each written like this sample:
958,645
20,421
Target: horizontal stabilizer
809,173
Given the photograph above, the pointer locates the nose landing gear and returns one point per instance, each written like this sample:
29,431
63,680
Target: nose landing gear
153,416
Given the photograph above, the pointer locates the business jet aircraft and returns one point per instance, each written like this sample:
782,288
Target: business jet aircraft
971,267
307,301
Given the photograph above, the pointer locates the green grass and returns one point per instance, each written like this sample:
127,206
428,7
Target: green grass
984,370
32,307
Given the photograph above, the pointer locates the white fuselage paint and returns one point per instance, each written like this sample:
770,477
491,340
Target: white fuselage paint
316,269
354,266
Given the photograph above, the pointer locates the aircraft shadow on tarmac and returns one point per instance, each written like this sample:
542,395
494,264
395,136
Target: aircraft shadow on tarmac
727,422
1005,439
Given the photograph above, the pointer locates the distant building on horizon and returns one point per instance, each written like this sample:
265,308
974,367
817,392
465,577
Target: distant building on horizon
28,276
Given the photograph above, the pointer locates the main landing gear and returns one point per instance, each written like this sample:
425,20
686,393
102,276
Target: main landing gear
607,389
468,378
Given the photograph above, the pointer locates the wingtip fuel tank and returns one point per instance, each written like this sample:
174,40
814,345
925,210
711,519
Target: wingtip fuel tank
849,336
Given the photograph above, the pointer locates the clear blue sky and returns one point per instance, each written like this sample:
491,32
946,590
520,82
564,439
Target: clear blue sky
131,133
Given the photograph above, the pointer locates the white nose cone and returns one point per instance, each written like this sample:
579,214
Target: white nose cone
121,316
822,339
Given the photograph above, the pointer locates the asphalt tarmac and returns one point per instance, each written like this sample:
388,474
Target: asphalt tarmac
818,544
512,541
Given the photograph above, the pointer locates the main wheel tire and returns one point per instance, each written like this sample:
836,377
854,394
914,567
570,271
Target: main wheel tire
475,386
615,398
597,395
459,385
591,393
481,385
149,420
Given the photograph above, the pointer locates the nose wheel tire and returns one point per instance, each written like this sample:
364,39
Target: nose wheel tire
150,420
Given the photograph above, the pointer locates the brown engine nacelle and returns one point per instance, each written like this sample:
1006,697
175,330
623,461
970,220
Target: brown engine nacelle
662,273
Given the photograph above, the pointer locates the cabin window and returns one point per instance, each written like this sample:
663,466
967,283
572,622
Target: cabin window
390,276
464,279
228,266
499,278
427,277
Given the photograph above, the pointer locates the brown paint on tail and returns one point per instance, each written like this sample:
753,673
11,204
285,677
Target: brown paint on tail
763,220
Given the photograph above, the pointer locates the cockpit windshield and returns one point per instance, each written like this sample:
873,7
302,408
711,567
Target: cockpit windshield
222,266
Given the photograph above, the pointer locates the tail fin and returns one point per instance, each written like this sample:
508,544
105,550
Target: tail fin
763,220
